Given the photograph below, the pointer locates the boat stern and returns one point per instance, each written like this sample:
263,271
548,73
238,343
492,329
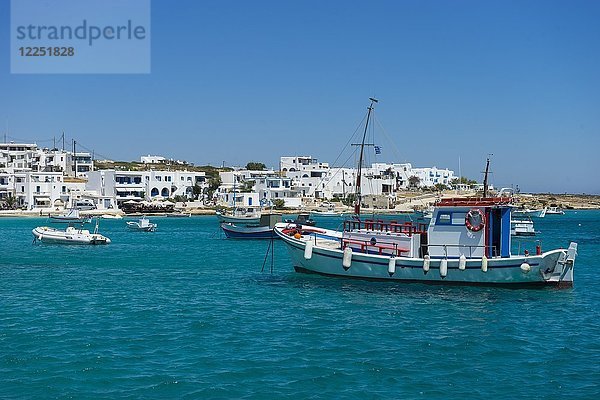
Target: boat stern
558,266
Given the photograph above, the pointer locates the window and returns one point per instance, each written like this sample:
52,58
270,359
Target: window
458,218
444,218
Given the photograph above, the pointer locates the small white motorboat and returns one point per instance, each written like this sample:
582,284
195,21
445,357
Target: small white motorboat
519,212
71,235
555,210
522,227
111,216
142,224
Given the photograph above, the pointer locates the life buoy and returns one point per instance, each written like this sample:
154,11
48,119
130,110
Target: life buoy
475,220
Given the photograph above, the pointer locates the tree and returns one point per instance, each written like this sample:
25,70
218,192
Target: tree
349,200
247,187
463,181
414,181
255,166
440,187
279,204
197,190
11,202
213,184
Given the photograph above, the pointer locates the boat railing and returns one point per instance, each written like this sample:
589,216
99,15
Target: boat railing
474,201
408,228
523,245
425,249
375,247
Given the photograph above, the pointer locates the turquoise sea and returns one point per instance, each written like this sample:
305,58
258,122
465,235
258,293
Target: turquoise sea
185,313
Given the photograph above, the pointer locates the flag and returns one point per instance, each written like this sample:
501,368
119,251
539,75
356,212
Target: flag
377,149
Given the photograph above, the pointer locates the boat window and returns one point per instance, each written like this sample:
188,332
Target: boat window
458,218
444,218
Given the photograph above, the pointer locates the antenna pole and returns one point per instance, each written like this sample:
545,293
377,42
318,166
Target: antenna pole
485,177
360,159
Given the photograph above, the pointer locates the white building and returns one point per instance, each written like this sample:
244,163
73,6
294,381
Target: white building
145,185
300,163
18,156
257,188
432,176
35,190
152,159
318,180
28,157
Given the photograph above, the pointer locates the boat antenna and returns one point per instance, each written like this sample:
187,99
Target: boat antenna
360,158
485,176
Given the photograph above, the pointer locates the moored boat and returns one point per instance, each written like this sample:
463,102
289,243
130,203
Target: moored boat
240,216
111,216
302,219
555,211
262,230
522,227
519,212
70,216
142,224
467,241
71,235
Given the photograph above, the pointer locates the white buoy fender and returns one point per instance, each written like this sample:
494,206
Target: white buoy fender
392,266
347,260
308,250
525,267
443,268
462,262
426,260
484,262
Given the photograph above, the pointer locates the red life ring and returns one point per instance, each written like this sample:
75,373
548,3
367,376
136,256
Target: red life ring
475,220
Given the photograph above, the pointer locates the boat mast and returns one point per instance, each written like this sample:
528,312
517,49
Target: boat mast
360,158
485,177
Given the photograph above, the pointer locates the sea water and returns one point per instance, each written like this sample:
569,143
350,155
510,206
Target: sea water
185,313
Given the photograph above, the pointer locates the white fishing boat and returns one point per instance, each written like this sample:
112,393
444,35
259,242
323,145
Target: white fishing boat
264,229
71,235
526,212
70,216
327,210
555,211
142,224
522,227
240,216
467,241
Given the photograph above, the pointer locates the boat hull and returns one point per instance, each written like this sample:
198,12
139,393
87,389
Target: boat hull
75,237
243,232
543,269
137,227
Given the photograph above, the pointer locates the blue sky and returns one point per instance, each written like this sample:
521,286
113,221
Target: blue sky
240,81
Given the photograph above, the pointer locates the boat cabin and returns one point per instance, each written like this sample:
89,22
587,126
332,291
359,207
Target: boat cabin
471,226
